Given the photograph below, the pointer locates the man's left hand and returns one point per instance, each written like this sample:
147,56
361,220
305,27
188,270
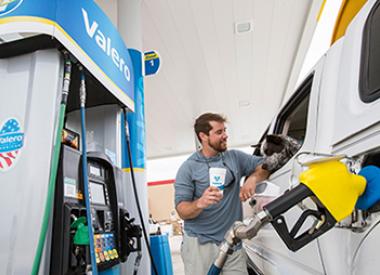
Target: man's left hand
248,189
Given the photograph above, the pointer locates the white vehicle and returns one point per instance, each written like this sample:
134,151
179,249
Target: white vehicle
336,110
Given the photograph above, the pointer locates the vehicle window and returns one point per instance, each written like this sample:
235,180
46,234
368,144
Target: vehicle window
256,150
292,120
370,57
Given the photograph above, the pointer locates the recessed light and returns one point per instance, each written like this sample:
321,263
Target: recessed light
244,103
243,27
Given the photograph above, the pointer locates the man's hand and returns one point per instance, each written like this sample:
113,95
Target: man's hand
249,187
191,209
211,195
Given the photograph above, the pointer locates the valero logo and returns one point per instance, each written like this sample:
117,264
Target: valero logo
7,6
217,178
11,143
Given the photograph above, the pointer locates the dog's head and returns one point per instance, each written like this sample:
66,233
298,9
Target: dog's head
277,150
272,144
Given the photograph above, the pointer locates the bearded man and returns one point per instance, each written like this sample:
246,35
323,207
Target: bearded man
208,212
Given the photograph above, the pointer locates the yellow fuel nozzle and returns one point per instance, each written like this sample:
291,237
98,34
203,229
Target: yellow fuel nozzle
335,192
334,186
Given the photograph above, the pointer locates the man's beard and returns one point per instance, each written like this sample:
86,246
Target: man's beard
218,147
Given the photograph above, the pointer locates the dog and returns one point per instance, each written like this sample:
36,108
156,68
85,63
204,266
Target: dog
278,150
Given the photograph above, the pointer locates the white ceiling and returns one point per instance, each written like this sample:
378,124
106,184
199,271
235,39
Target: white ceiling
207,66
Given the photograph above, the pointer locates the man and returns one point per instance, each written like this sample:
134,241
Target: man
207,213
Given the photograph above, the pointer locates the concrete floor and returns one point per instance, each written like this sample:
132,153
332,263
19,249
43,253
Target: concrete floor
175,249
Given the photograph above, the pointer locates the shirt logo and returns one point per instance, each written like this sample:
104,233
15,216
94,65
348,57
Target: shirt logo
7,6
11,143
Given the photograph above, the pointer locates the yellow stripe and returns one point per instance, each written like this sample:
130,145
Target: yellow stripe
27,19
321,10
151,56
347,12
134,169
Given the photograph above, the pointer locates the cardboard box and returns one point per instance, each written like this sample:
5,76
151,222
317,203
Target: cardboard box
161,202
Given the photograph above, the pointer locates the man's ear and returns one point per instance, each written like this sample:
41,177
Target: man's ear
203,136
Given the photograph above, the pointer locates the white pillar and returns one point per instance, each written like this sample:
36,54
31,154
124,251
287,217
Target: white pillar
129,23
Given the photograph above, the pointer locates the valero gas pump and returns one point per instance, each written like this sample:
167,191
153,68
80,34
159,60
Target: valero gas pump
115,235
327,182
71,199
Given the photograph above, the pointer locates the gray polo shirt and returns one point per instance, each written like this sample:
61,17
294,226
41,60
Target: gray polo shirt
193,178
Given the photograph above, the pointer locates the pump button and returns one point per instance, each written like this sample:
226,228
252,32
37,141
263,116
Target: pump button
112,256
115,253
101,256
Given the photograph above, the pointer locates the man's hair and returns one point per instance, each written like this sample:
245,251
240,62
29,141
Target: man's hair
202,123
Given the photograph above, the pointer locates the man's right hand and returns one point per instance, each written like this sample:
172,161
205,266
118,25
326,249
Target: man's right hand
191,209
211,195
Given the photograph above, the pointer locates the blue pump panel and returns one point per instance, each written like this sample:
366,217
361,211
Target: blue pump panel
161,254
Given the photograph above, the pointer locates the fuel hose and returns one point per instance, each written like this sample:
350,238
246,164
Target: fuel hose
82,95
135,192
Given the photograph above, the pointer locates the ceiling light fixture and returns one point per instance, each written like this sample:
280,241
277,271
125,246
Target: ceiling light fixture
244,103
243,27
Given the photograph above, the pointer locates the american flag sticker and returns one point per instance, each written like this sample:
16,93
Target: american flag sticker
11,142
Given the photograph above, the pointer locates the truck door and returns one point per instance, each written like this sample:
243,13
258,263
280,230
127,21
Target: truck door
296,119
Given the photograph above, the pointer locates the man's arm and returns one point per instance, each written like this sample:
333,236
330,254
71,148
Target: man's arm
191,209
249,187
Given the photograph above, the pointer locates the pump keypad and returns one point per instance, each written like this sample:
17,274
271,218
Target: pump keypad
105,248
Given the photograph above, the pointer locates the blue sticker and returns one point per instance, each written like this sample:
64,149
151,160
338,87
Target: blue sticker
11,142
152,62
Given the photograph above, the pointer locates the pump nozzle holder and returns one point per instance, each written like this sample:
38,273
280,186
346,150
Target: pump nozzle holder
82,88
66,80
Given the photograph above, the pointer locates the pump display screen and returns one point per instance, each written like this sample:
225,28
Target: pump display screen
97,193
